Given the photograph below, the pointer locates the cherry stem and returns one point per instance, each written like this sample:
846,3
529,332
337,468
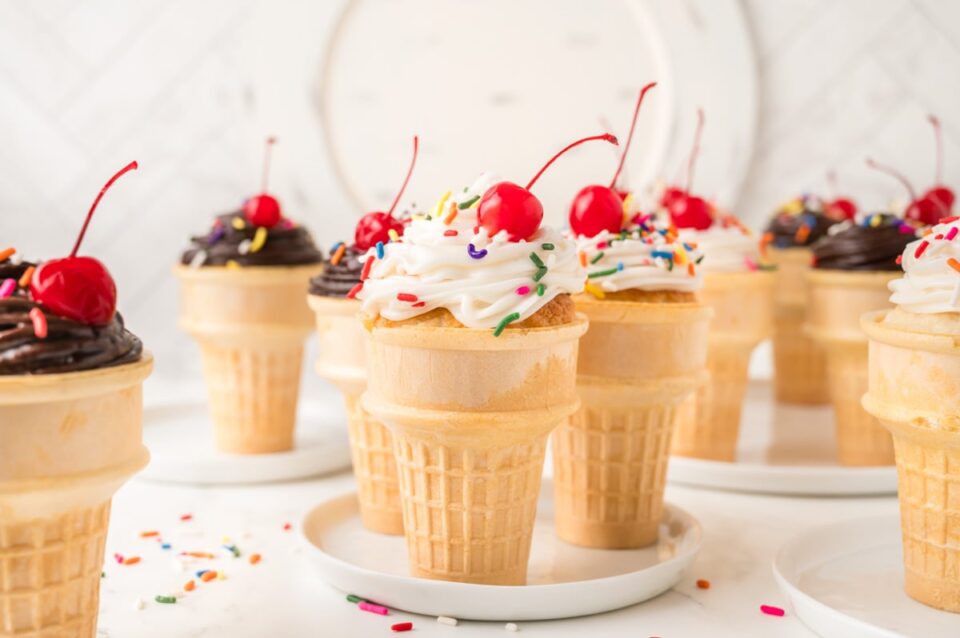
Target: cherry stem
606,137
832,182
267,153
895,174
695,151
406,180
633,124
132,166
938,133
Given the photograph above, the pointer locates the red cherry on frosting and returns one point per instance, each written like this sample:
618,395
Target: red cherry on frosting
942,196
691,212
264,209
512,208
79,288
597,208
670,195
924,210
375,227
842,208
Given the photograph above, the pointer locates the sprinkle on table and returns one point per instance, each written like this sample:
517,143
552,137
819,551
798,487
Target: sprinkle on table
373,608
770,610
39,321
513,316
7,288
511,626
254,559
287,527
353,598
149,534
186,517
401,626
166,600
131,560
190,585
703,584
447,620
209,575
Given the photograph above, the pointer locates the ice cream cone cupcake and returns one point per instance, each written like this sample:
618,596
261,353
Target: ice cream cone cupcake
799,364
472,363
342,361
914,390
852,267
70,436
242,301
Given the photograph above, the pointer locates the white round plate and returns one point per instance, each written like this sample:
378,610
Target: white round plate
846,579
784,449
563,580
180,439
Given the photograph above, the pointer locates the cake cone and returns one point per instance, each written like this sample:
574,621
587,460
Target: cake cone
914,390
67,443
838,299
637,361
708,423
250,324
342,361
470,414
799,364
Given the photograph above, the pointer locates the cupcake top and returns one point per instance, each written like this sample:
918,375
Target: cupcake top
643,256
727,245
872,243
931,271
799,222
36,340
449,260
235,239
341,272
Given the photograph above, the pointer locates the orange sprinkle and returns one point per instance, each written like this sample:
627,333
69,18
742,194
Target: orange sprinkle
953,263
703,584
802,233
690,269
254,559
26,277
337,256
199,554
190,586
583,259
131,560
7,253
765,240
149,534
208,576
452,215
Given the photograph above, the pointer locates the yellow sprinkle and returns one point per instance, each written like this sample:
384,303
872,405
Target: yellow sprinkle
875,221
259,239
627,203
594,290
238,223
394,236
221,575
232,265
225,540
793,207
438,208
475,203
679,255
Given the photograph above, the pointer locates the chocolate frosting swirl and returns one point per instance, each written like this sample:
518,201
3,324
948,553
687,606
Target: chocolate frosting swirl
864,246
69,346
785,225
338,279
286,245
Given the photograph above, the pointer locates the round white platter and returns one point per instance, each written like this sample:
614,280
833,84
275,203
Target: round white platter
846,579
180,439
563,580
784,449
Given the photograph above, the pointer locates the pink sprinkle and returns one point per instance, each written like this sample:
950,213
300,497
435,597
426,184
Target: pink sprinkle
952,233
7,288
287,527
118,558
751,265
770,610
373,609
601,245
523,290
186,517
450,233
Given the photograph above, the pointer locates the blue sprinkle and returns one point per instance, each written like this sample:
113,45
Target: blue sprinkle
661,253
476,254
619,265
202,572
165,546
333,248
379,250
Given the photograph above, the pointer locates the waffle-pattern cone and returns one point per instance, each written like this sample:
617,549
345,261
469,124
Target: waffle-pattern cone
342,360
799,364
914,389
67,442
610,459
837,300
250,324
470,414
708,422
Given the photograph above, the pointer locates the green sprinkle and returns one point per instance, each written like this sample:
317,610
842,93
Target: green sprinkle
597,257
103,574
468,203
540,273
535,258
166,600
541,289
700,258
513,316
354,599
623,235
602,273
766,266
547,246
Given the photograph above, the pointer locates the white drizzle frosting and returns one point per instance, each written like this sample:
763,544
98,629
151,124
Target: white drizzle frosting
930,283
725,248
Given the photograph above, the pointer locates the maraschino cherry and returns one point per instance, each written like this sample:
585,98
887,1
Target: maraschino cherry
597,208
939,194
375,227
686,210
79,288
513,208
264,209
839,207
923,210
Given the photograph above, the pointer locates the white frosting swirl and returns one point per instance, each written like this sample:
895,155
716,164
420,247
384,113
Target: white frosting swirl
726,247
445,270
644,259
931,272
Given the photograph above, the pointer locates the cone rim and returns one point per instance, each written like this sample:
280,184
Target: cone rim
18,389
456,338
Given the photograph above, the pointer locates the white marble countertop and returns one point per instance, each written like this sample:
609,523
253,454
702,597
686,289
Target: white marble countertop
282,596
